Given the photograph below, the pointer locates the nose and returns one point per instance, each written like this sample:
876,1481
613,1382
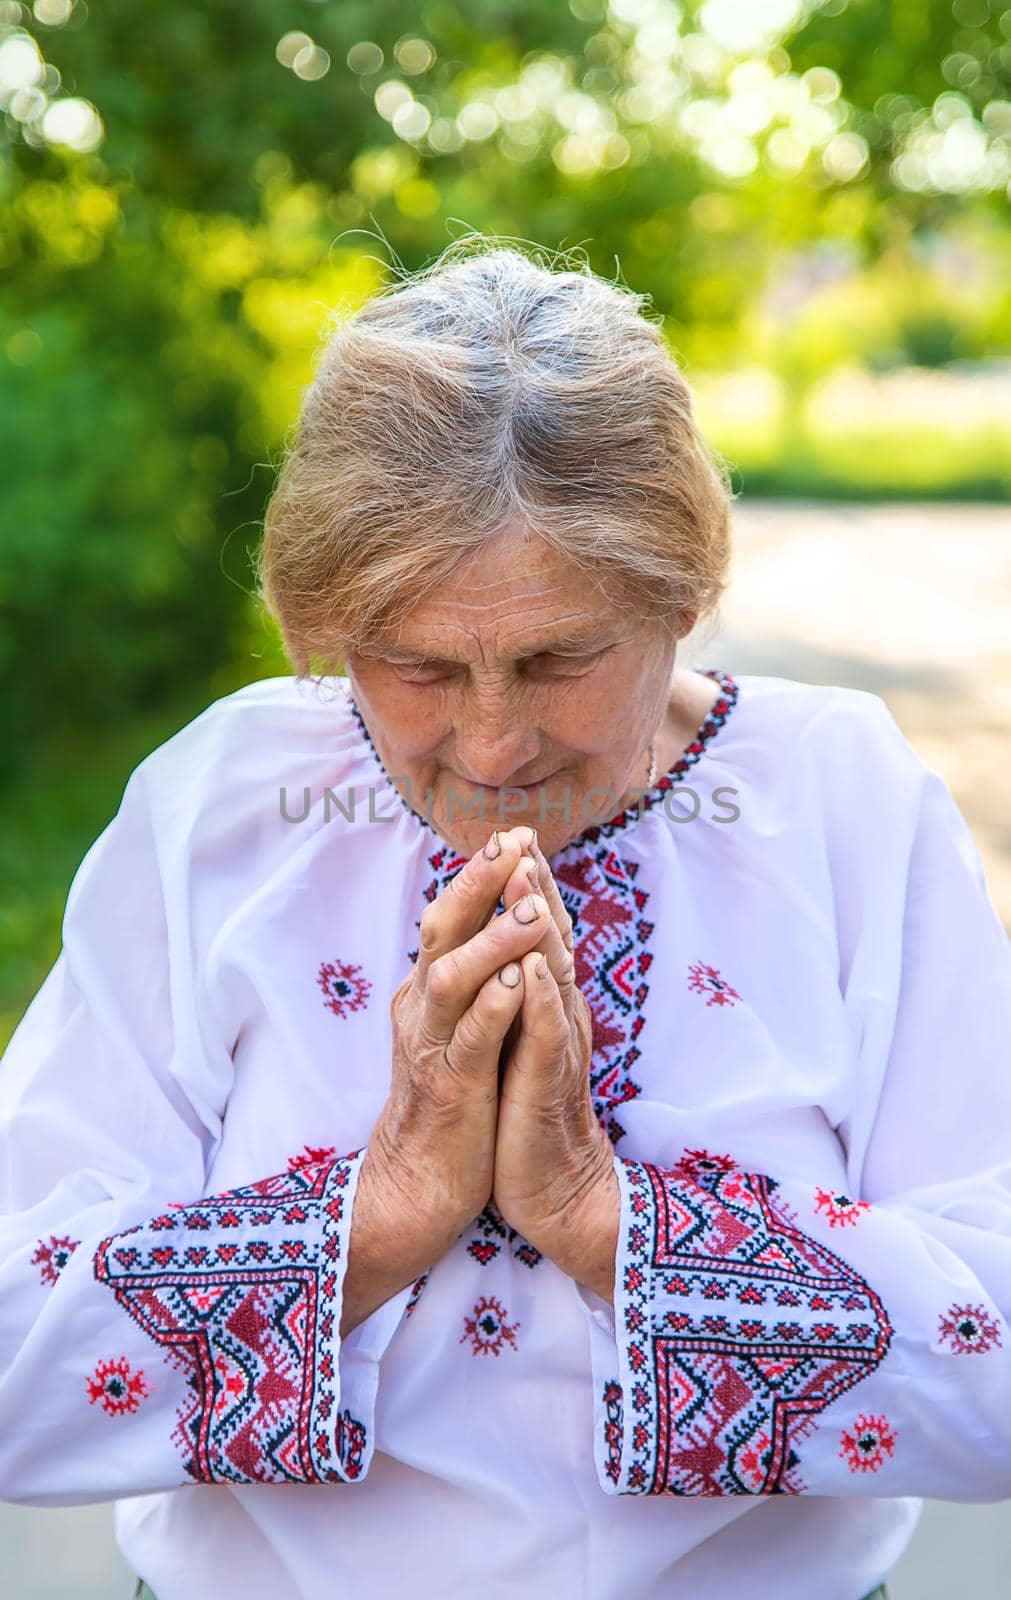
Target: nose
496,755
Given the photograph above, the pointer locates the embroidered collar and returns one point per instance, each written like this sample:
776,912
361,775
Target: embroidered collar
714,720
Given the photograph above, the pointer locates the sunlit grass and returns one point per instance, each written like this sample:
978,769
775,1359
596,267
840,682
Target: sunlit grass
913,430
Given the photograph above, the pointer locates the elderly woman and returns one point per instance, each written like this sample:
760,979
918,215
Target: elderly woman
517,1081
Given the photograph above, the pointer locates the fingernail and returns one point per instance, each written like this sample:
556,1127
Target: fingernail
533,841
492,848
532,878
528,909
510,974
542,967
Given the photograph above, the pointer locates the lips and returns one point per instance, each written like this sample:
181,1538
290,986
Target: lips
494,788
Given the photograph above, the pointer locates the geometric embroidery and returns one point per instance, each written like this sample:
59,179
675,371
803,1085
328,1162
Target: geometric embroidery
610,937
117,1387
487,1328
52,1257
345,988
866,1447
240,1289
703,979
735,1329
969,1330
492,1228
841,1209
311,1156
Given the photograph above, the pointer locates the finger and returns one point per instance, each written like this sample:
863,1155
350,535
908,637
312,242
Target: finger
526,836
520,882
544,1034
480,1032
555,946
454,978
462,907
552,894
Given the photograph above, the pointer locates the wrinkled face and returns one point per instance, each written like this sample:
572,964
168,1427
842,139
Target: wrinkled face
516,694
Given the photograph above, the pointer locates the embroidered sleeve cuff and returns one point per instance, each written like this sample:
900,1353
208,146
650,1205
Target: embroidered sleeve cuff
243,1291
731,1330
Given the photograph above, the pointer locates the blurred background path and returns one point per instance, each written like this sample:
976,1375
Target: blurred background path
914,603
911,601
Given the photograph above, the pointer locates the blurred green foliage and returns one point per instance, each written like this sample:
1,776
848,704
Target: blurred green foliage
816,201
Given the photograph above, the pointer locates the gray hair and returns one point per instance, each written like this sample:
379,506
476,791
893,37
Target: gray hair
489,388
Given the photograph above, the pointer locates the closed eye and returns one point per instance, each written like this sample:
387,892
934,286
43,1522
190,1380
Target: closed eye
423,671
562,665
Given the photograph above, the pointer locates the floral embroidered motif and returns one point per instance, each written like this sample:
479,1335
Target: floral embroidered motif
487,1328
51,1256
716,1402
969,1330
702,978
311,1157
344,985
841,1209
702,1168
117,1387
867,1446
240,1290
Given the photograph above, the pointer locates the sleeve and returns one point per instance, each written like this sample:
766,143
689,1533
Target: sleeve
152,1336
773,1336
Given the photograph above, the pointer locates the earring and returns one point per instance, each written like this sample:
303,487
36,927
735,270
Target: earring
651,775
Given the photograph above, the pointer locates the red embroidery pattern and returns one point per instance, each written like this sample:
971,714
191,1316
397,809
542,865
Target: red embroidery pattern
350,1444
487,1328
344,985
702,978
697,1165
969,1330
311,1157
867,1446
613,1430
415,1295
841,1209
493,1231
51,1256
610,939
116,1387
240,1290
715,1402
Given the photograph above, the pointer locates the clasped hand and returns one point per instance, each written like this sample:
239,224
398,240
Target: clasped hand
490,1093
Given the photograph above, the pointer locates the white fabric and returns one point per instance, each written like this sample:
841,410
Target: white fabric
796,1008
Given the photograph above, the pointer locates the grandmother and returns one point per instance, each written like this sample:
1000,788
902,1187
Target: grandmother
525,1161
